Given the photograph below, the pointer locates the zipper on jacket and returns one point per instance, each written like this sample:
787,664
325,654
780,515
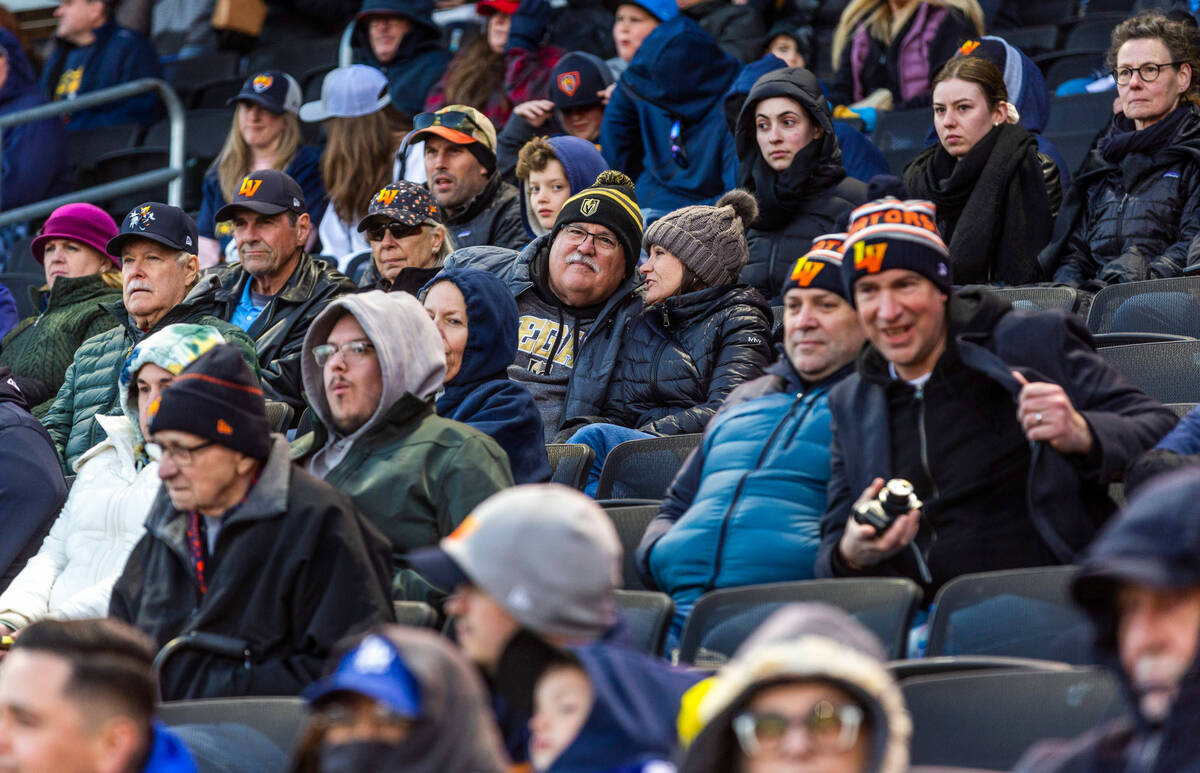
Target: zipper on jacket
933,488
1121,214
658,353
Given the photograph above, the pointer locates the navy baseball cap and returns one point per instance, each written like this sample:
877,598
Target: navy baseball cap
375,669
162,223
267,192
273,89
576,78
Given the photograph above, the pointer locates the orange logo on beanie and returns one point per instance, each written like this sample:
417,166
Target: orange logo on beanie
869,256
969,47
806,271
223,427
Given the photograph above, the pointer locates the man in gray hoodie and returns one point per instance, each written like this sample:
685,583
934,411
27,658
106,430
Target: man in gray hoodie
372,364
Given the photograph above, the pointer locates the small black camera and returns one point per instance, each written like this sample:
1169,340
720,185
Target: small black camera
894,500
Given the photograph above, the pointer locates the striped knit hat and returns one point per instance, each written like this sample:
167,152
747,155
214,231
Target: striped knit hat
612,203
820,268
890,233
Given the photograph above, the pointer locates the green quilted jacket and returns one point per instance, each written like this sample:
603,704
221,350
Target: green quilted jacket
41,347
90,384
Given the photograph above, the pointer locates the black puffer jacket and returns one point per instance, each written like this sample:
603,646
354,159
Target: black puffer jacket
1132,216
804,201
492,218
679,359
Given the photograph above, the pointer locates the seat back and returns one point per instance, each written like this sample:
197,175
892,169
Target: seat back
570,463
903,129
1168,372
1026,613
18,285
643,469
1180,409
1079,113
1105,315
631,523
1073,146
1042,298
989,719
279,415
648,614
722,619
280,719
415,614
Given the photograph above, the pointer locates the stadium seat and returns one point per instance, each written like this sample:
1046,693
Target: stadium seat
631,523
120,164
415,614
1080,113
643,469
214,93
898,159
1074,146
1103,315
1047,11
183,74
296,59
87,145
1124,339
20,258
280,719
1042,298
1168,372
1031,40
944,665
570,463
1025,613
279,415
1090,32
205,134
18,285
1181,409
1062,66
648,614
722,619
989,719
902,129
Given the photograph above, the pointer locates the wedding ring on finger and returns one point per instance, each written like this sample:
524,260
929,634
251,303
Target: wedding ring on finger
1037,418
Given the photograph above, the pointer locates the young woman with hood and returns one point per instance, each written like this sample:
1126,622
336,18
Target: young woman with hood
550,169
477,317
996,195
401,699
791,162
699,335
810,670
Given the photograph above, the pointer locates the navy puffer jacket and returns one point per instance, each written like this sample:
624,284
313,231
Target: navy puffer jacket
681,358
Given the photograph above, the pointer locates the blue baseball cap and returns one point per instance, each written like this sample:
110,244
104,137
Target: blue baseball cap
375,669
273,89
162,223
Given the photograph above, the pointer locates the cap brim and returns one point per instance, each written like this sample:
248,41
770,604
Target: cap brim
364,685
114,244
445,132
407,218
261,207
258,100
313,112
436,565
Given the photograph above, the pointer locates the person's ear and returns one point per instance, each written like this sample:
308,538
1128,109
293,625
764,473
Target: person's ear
303,228
244,464
116,745
192,269
439,237
1185,78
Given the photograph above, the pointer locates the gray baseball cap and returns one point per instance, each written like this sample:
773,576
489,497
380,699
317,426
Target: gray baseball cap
546,553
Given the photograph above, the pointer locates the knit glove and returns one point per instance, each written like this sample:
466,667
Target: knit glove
1132,266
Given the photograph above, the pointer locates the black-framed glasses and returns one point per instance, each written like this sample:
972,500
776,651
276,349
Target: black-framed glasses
181,455
397,230
829,728
599,241
1147,72
353,352
678,154
452,119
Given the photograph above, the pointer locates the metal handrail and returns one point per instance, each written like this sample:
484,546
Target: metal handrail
172,174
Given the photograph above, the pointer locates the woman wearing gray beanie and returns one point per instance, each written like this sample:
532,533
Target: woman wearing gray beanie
699,335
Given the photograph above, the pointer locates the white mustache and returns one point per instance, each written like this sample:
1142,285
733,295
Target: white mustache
587,260
138,284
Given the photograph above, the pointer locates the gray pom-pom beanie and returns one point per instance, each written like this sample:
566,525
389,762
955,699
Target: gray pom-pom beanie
710,241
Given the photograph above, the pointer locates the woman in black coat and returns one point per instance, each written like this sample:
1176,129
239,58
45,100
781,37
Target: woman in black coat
700,333
790,160
996,195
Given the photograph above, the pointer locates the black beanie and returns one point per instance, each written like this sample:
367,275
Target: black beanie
612,203
820,268
891,233
216,397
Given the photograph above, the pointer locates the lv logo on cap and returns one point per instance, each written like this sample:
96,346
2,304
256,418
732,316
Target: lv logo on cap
249,187
869,256
387,196
806,271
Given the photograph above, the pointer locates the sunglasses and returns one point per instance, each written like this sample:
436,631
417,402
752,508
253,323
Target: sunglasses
397,230
678,154
453,119
829,728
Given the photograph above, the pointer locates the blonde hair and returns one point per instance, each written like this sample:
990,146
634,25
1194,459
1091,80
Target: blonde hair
877,16
236,157
357,161
110,275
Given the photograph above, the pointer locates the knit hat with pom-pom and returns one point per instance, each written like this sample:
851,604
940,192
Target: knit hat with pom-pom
710,241
612,203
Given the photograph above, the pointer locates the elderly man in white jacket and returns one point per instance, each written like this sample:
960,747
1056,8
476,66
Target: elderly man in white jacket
72,575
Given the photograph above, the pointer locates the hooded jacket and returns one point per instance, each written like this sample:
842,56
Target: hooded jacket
804,201
679,74
117,55
582,163
682,357
804,642
1134,207
419,60
1065,498
413,474
491,218
35,164
295,567
31,488
168,754
278,332
481,393
1156,542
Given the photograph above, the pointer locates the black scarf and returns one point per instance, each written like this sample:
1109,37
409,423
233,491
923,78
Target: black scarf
1124,138
992,205
782,194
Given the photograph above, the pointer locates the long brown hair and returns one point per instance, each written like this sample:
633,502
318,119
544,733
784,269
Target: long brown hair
476,73
882,25
236,157
357,161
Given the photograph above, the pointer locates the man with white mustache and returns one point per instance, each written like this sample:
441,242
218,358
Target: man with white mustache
575,291
162,285
1139,582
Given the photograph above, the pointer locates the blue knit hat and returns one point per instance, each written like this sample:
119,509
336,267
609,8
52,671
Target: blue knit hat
890,233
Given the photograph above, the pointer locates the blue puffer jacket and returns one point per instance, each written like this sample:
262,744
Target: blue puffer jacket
746,508
118,55
678,74
481,393
34,158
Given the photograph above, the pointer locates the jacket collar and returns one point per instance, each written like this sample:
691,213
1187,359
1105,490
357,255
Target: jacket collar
298,288
68,290
396,420
484,199
200,295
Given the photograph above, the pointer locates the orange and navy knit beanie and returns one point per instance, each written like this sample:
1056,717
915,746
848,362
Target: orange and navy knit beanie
820,268
890,233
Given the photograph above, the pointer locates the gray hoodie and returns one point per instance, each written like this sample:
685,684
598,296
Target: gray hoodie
412,359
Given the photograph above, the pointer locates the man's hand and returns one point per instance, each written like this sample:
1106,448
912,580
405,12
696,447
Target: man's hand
862,547
1045,413
535,111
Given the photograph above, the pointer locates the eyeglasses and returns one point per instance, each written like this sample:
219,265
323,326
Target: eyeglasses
397,230
353,352
677,152
181,455
829,728
452,119
1147,72
601,242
